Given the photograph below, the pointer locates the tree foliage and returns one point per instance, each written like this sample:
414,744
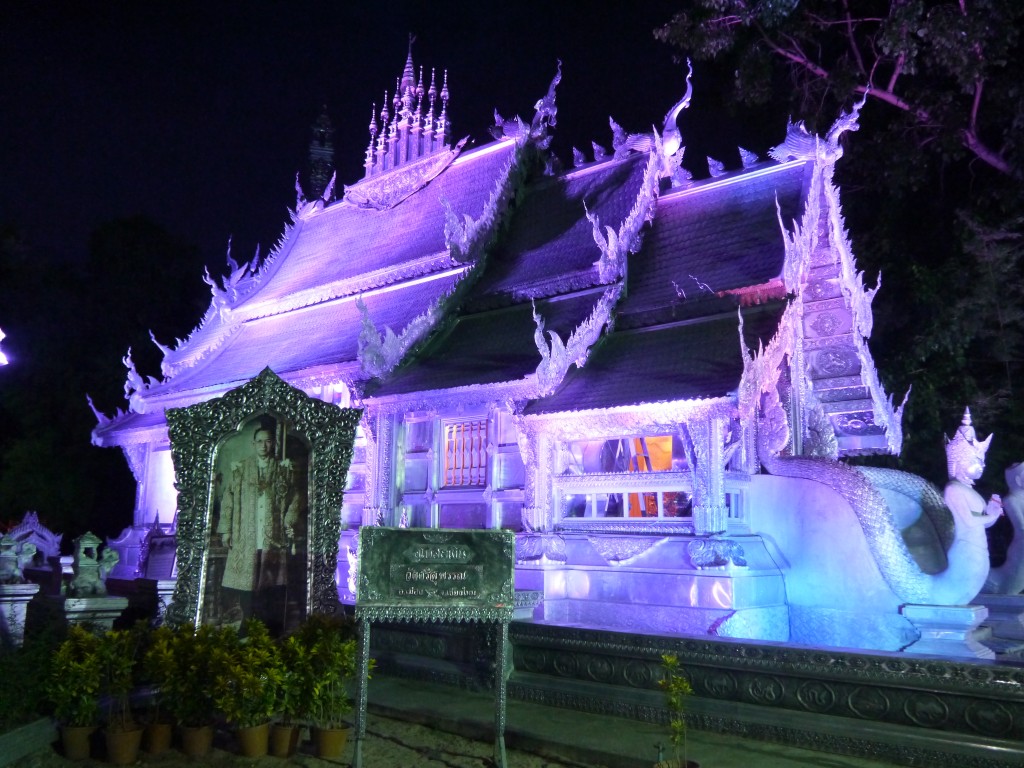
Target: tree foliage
931,182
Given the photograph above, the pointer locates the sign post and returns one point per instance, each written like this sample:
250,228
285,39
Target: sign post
438,575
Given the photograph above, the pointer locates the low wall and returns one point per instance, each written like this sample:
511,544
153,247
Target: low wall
908,710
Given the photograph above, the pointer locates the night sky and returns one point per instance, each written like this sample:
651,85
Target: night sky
198,115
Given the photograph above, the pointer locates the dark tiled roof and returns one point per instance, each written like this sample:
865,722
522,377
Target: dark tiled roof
344,241
550,238
684,361
488,347
718,236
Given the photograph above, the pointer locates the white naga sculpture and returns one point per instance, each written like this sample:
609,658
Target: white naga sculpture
1008,578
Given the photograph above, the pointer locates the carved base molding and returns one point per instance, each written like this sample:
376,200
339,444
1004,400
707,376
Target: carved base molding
885,706
893,707
949,630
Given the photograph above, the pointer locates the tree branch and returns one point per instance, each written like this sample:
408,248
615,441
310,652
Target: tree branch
971,141
853,41
896,72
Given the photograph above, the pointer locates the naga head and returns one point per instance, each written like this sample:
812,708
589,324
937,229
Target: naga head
965,454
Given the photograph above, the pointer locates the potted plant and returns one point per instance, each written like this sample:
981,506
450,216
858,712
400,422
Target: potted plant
116,653
331,645
197,655
246,687
157,669
73,686
293,696
677,688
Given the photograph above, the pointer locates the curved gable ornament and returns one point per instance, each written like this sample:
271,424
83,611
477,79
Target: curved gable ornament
388,190
198,431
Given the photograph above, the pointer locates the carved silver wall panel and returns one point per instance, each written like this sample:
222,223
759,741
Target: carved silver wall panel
834,361
196,432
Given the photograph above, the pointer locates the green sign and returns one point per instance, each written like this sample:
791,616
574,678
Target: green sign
429,574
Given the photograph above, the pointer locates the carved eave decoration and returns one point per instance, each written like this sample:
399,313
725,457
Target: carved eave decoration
646,419
392,187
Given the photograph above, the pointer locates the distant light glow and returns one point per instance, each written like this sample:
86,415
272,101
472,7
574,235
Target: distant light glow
3,357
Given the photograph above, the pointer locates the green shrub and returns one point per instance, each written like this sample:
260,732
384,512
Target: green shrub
246,687
677,688
73,682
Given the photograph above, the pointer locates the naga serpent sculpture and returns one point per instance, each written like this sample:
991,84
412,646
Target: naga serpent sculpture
965,544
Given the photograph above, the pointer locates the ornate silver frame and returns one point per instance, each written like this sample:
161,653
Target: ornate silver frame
197,430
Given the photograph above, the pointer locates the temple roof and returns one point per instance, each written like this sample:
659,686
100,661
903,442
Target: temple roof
489,347
344,241
550,246
687,360
715,237
726,231
323,334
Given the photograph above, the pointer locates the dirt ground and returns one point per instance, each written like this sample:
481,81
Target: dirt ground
389,744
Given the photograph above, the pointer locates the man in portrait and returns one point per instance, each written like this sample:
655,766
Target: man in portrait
261,513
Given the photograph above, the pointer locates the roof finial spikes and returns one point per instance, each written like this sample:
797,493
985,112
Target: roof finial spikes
442,121
410,125
431,95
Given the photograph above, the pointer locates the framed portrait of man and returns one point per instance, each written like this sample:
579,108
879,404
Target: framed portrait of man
257,559
260,475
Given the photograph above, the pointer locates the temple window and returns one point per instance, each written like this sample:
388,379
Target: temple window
635,479
652,453
465,454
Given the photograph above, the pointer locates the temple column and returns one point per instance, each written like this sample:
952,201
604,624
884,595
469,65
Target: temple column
707,437
380,452
537,451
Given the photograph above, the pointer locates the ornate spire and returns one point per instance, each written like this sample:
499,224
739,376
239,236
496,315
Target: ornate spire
321,155
410,127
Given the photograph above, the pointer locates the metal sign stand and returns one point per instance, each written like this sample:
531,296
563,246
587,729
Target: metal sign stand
500,688
420,574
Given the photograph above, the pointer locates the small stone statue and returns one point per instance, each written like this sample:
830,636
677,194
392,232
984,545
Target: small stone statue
1008,578
90,568
14,555
965,462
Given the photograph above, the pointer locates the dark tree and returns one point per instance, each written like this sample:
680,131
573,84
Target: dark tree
69,325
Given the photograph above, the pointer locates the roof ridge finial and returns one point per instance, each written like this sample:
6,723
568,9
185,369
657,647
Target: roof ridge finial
408,82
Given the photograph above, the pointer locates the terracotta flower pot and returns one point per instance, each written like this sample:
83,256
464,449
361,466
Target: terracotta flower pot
253,741
75,740
123,745
196,741
284,740
330,742
156,739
